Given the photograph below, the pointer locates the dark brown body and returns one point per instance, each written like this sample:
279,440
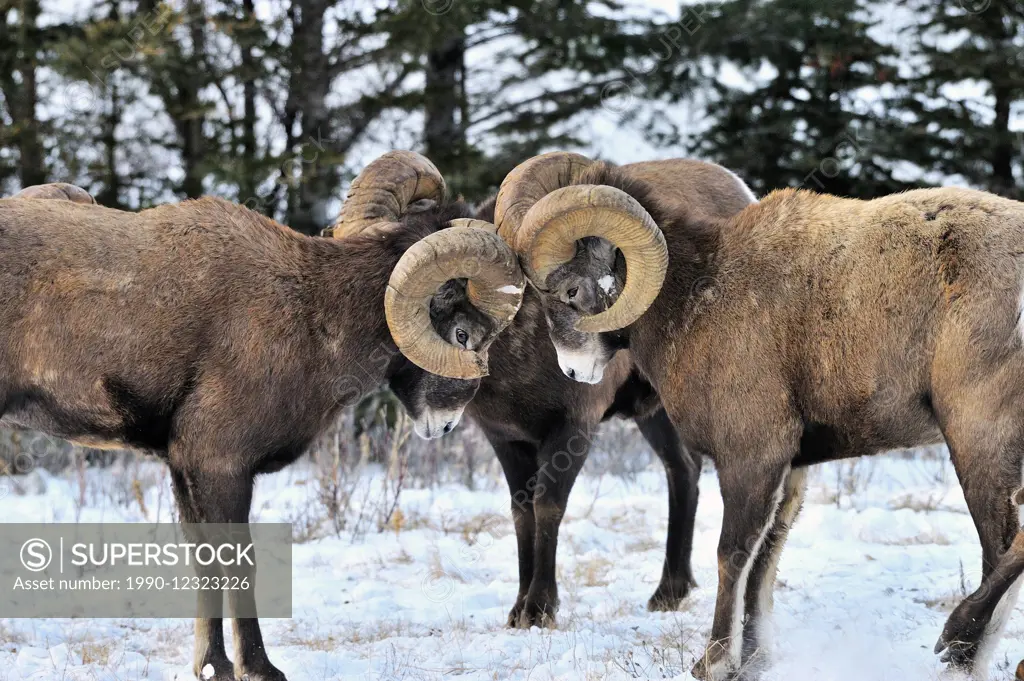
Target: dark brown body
541,426
202,332
540,422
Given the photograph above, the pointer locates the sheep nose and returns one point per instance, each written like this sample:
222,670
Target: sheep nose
448,427
571,373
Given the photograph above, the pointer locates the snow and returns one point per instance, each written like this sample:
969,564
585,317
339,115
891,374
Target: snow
871,569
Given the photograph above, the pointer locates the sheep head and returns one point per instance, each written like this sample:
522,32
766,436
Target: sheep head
467,258
544,214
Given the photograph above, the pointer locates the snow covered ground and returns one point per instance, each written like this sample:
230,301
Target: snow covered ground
872,567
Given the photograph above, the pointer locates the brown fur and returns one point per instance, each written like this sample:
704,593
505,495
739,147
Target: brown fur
530,412
708,190
540,424
203,332
832,327
808,328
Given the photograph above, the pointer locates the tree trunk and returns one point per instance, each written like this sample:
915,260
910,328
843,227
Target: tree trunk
23,104
247,183
444,132
1002,181
188,117
312,175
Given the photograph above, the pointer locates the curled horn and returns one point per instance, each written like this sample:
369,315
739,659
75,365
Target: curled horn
459,252
528,183
541,213
60,191
385,189
474,223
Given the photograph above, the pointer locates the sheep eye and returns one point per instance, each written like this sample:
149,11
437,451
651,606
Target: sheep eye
572,292
462,337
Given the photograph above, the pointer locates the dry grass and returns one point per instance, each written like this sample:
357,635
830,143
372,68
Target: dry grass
944,603
644,544
592,571
95,652
927,537
917,502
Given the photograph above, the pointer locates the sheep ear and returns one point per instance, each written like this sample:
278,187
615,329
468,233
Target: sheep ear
1018,496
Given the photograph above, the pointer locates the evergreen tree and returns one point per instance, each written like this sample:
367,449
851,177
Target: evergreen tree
503,81
796,120
963,96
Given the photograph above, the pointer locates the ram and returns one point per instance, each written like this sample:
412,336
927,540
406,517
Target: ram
805,328
220,341
541,425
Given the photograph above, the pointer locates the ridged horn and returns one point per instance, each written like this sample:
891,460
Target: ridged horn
385,189
61,191
495,288
475,224
528,183
552,227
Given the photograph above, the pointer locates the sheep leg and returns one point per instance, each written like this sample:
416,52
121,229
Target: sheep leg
219,497
753,488
760,599
970,619
209,625
682,468
987,460
519,463
559,462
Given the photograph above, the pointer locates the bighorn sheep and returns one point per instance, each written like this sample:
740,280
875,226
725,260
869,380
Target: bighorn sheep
540,426
221,341
805,328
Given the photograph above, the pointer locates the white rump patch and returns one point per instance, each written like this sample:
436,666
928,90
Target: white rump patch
509,288
607,283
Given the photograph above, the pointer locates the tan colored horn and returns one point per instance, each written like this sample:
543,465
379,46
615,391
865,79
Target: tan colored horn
61,191
528,183
474,223
461,252
385,189
550,229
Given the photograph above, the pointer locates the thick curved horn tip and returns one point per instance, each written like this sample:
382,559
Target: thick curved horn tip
386,188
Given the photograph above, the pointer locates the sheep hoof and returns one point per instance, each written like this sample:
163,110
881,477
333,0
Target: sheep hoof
1020,671
669,595
715,664
219,671
537,613
513,615
267,673
962,634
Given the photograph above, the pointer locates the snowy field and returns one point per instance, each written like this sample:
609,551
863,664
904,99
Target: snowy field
419,589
